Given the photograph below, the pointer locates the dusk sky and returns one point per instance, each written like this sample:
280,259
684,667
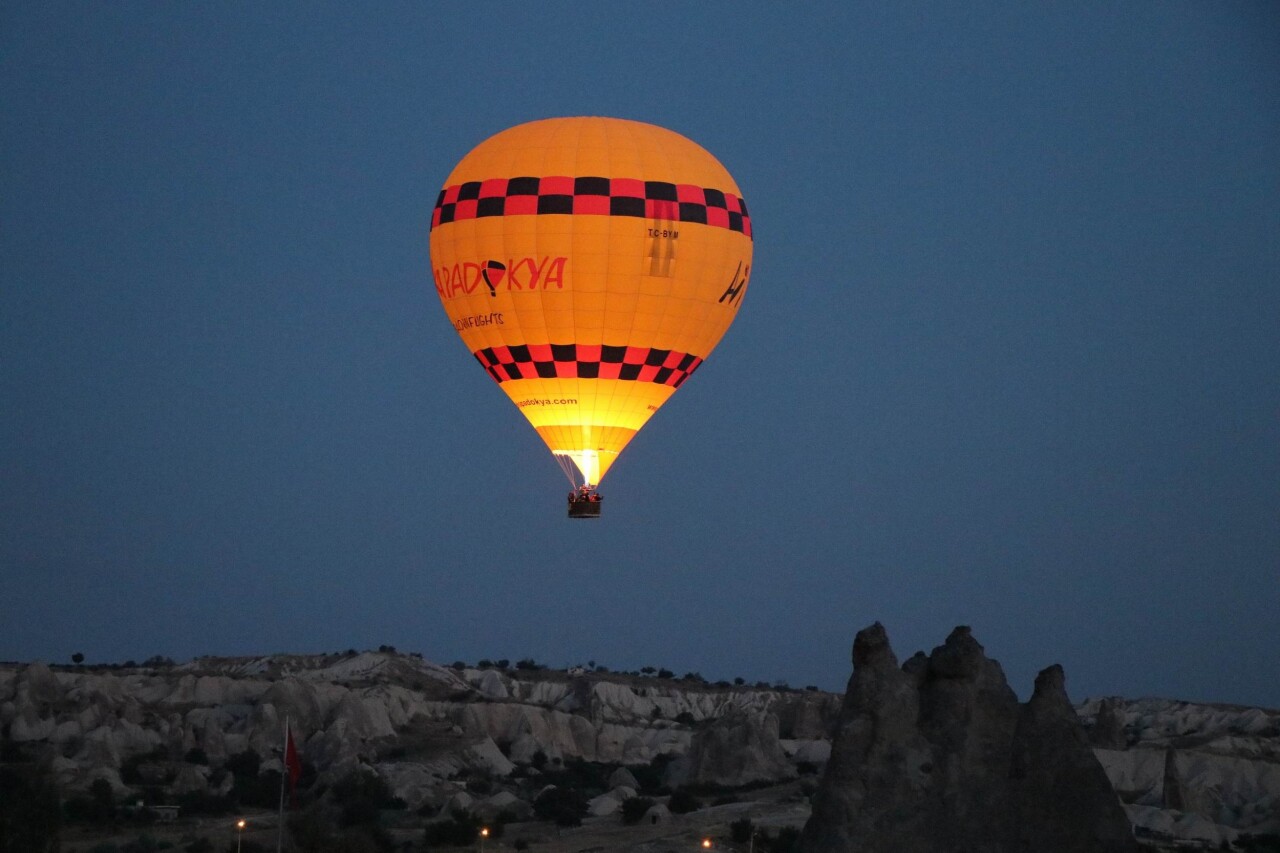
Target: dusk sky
1010,356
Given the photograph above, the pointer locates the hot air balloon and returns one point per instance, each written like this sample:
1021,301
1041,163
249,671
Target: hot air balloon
590,265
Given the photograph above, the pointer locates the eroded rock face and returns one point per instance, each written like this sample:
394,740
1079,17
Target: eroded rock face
740,749
938,756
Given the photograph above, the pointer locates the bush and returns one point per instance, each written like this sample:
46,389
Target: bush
649,776
1259,843
260,791
362,796
787,841
30,817
244,764
565,806
459,830
683,801
740,830
633,809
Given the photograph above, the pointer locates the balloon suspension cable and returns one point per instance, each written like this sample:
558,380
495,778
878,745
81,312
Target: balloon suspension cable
570,469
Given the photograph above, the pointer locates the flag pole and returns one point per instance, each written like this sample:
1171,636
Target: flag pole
284,771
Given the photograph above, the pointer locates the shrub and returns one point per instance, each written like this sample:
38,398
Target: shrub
683,801
649,776
565,806
633,809
30,817
1259,842
459,830
787,841
740,830
362,796
244,764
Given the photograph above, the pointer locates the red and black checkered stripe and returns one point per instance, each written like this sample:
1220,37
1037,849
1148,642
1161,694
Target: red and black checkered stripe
592,196
583,361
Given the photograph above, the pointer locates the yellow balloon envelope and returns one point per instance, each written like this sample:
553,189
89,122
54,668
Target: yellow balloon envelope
590,265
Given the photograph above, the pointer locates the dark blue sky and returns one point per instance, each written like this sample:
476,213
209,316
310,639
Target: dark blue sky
1010,355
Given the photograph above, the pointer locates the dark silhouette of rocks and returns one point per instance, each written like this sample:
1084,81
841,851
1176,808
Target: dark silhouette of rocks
1108,728
938,756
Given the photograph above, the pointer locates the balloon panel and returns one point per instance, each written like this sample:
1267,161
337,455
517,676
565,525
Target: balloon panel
590,265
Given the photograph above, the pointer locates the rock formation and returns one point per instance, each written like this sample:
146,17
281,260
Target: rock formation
1185,772
938,756
1108,727
739,749
423,728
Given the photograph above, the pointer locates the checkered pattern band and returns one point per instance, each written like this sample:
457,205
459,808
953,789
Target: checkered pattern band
592,196
582,361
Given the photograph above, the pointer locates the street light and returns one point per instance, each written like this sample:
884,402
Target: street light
484,833
239,833
706,844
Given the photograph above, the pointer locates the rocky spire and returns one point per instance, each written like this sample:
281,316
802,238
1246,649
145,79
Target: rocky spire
938,756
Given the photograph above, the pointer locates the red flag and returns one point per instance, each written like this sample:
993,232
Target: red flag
292,764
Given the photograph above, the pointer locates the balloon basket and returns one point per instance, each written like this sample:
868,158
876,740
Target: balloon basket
589,508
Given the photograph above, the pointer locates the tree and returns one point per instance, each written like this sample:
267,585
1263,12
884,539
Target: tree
30,809
565,806
77,658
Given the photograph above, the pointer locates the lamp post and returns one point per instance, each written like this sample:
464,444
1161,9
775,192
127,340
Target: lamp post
484,833
239,833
